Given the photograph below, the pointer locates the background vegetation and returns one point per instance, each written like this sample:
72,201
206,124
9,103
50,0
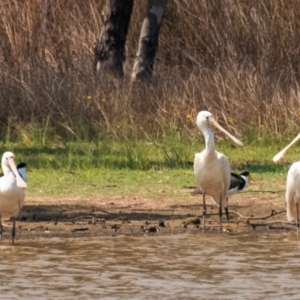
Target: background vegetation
237,58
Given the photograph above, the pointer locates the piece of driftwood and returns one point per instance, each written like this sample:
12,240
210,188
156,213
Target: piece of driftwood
80,229
276,224
273,213
254,221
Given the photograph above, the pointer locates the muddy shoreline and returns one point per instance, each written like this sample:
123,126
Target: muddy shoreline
137,216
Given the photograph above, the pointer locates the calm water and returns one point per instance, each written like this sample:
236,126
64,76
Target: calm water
187,266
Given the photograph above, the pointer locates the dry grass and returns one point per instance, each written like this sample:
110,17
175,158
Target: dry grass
238,59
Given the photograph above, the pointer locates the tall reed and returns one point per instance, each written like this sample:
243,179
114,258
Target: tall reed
238,59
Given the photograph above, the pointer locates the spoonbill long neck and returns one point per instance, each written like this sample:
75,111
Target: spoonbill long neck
209,139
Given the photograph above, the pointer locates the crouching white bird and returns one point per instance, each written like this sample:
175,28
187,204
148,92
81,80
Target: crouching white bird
211,168
11,191
292,192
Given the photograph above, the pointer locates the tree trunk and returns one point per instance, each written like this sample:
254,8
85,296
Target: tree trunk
110,48
148,42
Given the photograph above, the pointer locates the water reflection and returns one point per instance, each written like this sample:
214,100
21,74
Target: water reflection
186,266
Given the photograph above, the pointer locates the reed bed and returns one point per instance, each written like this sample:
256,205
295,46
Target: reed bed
237,58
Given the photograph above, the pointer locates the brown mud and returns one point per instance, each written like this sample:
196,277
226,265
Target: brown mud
115,215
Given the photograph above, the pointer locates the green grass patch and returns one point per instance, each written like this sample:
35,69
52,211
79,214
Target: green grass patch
158,168
150,184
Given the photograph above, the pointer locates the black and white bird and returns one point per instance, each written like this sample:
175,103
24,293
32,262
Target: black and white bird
238,182
12,187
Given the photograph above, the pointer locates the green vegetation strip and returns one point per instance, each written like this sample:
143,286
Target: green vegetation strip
149,169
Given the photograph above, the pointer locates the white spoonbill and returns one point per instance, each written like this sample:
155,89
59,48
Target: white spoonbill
211,168
292,192
11,191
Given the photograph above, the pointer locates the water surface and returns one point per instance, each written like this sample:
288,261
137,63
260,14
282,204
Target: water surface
184,266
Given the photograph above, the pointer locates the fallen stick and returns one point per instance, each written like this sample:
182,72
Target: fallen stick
273,213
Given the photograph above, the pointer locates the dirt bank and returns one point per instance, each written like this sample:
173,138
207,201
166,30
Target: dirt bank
112,215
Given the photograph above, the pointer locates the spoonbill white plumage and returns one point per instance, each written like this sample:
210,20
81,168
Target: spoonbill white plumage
292,192
212,168
11,191
238,182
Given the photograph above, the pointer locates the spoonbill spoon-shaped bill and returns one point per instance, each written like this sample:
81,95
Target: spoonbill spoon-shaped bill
212,168
11,190
280,154
216,124
22,170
